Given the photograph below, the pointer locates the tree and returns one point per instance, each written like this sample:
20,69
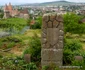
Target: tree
71,25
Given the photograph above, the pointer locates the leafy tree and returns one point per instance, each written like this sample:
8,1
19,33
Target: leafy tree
1,15
37,24
71,24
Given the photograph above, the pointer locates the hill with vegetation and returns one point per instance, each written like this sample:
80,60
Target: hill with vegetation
53,3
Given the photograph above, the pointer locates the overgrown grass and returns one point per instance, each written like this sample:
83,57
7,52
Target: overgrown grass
12,23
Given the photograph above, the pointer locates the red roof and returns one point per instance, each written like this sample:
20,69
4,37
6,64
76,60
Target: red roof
32,22
6,7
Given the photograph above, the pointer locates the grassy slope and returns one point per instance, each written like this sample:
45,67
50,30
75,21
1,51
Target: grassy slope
18,48
17,23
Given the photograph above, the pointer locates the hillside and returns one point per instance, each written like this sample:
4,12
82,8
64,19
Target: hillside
53,3
57,3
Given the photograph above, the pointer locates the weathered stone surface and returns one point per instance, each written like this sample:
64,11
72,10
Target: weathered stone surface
78,58
45,63
60,37
43,35
52,17
52,35
59,18
44,40
27,58
60,26
61,32
46,18
44,30
55,24
52,40
44,24
61,45
50,24
52,55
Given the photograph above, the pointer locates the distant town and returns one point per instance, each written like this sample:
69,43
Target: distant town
25,10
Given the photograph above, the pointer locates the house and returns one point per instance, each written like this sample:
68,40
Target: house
24,13
10,12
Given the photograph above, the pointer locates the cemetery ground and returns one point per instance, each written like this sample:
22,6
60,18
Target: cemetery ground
16,49
13,47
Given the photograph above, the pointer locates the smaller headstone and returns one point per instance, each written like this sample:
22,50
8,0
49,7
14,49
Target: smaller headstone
27,58
78,58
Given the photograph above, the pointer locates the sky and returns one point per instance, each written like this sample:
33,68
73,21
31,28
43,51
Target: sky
2,2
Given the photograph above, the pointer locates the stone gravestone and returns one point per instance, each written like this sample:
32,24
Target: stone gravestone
27,58
52,40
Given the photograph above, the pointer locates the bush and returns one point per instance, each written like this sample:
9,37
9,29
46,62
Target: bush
71,49
50,67
10,45
31,66
34,48
11,39
37,24
77,63
16,63
71,24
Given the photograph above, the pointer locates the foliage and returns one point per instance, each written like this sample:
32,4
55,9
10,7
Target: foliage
12,44
71,49
50,67
12,24
37,24
16,63
71,23
9,42
31,66
77,63
34,48
1,15
28,22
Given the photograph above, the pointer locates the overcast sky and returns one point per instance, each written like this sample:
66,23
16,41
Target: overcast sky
33,1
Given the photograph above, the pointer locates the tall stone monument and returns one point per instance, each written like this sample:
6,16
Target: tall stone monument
52,40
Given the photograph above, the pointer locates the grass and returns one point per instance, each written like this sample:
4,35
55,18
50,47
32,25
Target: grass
80,38
11,24
19,47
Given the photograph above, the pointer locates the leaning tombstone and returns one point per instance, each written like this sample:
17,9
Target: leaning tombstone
78,58
27,58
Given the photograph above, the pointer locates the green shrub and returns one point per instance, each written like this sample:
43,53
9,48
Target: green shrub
16,63
26,51
73,45
50,67
37,24
71,49
13,24
11,39
34,48
10,45
71,24
77,63
30,66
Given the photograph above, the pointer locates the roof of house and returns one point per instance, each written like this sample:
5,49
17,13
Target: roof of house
24,11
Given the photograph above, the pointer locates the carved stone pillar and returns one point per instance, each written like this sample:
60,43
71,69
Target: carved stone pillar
52,40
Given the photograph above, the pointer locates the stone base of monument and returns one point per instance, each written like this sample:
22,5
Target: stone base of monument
70,67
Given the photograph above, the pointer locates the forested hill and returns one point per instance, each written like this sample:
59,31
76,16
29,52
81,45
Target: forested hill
53,3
